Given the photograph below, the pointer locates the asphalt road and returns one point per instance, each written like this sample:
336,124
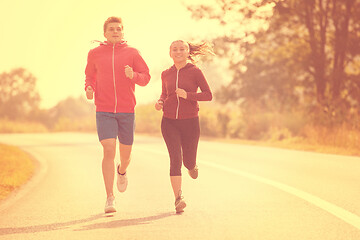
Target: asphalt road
243,192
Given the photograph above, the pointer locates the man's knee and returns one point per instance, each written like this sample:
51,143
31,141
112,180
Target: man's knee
109,147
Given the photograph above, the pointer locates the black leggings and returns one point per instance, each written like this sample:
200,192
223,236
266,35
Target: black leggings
181,137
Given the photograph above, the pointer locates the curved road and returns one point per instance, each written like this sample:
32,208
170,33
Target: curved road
243,192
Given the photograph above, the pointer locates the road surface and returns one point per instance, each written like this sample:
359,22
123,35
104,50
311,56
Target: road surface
243,192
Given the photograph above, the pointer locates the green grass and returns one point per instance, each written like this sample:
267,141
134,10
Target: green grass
16,167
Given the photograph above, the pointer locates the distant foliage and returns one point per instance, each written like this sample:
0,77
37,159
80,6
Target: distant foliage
302,54
11,126
72,114
18,94
262,117
147,119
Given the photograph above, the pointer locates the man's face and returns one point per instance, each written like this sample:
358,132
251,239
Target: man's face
114,33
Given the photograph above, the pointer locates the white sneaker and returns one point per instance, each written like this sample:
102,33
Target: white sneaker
110,205
180,203
122,181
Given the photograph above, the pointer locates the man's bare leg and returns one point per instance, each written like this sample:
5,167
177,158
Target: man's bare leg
125,157
108,168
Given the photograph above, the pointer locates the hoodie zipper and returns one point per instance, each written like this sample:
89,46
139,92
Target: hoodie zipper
178,99
113,68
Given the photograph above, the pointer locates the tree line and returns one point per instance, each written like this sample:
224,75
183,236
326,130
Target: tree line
305,55
20,103
295,74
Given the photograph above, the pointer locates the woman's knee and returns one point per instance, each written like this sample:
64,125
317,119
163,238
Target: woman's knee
175,167
189,157
175,171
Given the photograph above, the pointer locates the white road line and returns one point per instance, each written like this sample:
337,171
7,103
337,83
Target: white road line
337,211
327,206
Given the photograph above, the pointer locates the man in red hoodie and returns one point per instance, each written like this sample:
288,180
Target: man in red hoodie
112,70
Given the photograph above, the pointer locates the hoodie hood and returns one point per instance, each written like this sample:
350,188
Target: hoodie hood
188,65
106,43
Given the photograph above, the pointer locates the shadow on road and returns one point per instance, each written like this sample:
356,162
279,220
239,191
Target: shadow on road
47,227
126,222
64,225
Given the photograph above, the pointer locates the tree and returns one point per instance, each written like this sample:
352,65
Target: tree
18,94
72,114
304,52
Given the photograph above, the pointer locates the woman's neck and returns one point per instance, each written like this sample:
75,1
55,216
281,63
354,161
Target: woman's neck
180,65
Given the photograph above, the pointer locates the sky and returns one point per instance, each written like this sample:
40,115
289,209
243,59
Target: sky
51,39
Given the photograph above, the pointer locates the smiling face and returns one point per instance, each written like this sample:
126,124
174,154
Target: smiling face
114,32
179,52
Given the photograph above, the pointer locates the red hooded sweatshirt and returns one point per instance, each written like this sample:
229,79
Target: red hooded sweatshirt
105,73
189,78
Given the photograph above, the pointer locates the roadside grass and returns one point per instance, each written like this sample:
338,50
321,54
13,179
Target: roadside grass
16,167
295,143
299,145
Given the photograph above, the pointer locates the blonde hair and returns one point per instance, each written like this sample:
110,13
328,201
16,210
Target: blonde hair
196,49
112,20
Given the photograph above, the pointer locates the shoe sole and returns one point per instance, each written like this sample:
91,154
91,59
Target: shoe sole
180,208
110,210
122,189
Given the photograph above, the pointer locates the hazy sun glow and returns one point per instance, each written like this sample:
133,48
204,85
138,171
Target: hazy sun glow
51,39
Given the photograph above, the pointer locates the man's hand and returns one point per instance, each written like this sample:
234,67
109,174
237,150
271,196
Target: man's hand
89,92
129,72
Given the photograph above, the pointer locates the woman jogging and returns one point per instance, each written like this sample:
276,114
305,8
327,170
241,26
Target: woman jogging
179,101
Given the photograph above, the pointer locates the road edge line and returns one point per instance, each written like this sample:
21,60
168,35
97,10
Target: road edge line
331,208
335,210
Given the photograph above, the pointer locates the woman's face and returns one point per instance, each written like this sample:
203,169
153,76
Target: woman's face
179,52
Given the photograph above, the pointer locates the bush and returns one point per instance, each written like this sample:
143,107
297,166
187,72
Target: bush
7,126
86,124
209,122
343,136
148,120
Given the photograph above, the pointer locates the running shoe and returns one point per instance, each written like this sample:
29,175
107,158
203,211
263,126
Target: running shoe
194,173
180,204
122,180
110,205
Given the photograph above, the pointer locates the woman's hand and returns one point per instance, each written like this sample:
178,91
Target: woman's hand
89,93
181,93
159,105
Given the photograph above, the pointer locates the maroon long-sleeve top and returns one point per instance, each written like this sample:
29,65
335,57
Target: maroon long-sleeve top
190,78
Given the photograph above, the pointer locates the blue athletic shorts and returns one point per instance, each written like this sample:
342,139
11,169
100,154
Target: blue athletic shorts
113,125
